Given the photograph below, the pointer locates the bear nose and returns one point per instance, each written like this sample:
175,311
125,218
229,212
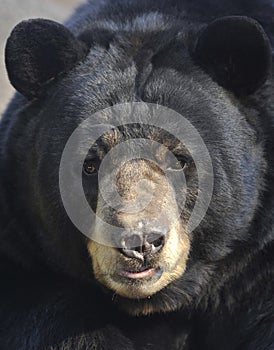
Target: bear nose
138,245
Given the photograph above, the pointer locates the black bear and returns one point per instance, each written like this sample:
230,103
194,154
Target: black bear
133,76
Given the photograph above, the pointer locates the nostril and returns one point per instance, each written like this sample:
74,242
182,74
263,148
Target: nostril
156,238
133,242
158,242
140,245
132,247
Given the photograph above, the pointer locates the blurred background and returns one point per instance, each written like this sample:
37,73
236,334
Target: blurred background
12,12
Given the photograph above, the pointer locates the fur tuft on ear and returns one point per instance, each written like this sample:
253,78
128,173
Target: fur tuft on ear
236,52
37,51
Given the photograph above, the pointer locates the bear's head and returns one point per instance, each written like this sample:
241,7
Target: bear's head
119,81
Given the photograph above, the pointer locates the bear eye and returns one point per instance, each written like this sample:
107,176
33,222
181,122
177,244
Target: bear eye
89,167
181,163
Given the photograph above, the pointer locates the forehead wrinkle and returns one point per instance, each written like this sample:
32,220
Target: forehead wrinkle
121,134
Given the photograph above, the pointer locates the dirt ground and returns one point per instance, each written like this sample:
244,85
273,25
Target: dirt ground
12,12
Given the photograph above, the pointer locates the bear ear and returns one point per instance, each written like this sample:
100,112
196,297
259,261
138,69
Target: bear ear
236,52
37,51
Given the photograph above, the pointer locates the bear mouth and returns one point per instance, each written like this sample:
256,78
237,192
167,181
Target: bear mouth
141,274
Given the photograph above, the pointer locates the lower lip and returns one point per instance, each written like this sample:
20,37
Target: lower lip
139,275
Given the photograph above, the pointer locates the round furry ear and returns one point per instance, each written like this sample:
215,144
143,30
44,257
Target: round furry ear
37,51
236,52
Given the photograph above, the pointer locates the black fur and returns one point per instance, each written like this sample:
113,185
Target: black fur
236,52
38,51
139,50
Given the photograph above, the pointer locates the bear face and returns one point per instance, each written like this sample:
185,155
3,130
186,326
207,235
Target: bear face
157,265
